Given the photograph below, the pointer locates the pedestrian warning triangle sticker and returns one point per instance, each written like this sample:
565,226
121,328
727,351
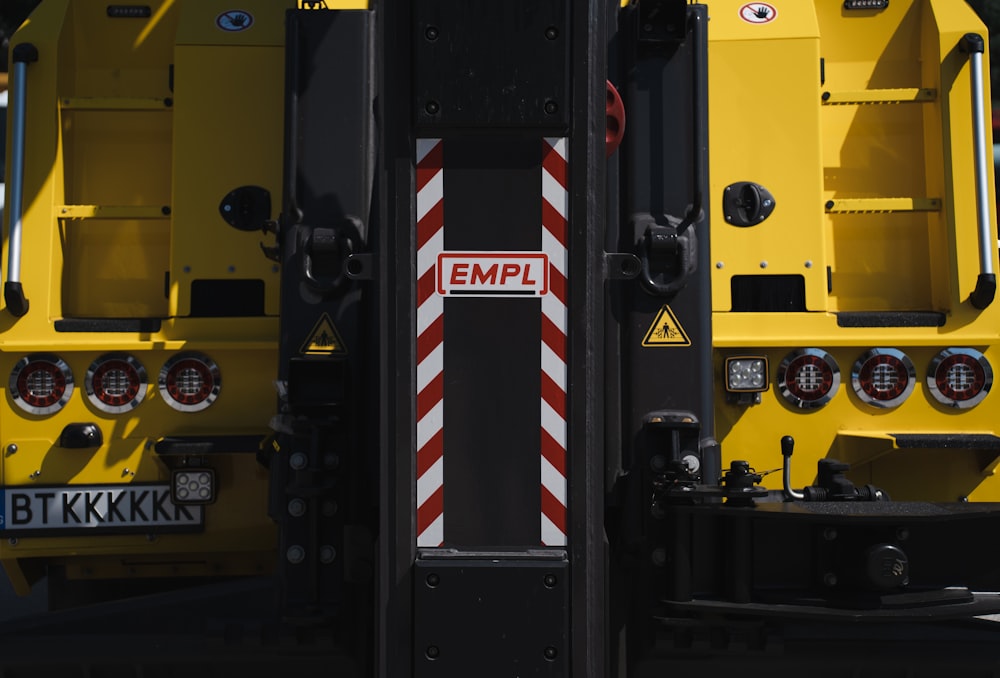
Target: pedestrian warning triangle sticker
666,331
324,340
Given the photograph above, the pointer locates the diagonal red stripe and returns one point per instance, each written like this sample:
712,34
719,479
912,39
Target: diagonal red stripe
432,222
430,165
553,452
553,222
557,284
554,164
553,395
554,338
431,395
432,450
425,286
428,512
430,338
552,509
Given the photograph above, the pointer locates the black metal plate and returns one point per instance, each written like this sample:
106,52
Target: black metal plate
491,617
482,63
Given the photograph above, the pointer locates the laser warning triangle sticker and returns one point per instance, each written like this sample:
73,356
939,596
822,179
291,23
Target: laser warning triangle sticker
666,331
324,339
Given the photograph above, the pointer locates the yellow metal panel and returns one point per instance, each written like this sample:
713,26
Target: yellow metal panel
769,135
228,133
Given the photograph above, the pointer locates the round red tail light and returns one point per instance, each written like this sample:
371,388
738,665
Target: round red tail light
41,383
189,382
808,378
116,382
883,377
960,377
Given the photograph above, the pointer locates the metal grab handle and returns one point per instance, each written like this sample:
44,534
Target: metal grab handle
986,284
13,293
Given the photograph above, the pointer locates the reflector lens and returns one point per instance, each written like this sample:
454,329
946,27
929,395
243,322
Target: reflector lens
960,377
746,374
189,382
883,377
41,383
116,383
808,378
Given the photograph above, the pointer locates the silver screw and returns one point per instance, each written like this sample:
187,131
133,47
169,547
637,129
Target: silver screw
295,554
297,507
298,461
327,554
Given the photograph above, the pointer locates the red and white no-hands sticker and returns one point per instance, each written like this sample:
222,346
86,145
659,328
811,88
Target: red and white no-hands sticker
493,274
758,13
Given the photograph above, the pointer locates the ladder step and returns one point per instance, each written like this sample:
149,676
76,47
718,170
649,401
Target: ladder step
883,205
881,96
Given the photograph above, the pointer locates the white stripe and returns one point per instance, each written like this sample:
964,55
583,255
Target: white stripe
553,481
432,479
430,423
425,146
430,367
557,254
554,425
430,195
553,366
428,312
558,145
551,535
555,311
434,534
427,255
554,194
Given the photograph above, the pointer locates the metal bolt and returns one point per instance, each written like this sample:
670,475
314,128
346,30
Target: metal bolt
550,653
830,533
329,508
433,580
432,33
297,507
902,534
227,207
551,33
550,581
964,499
298,461
659,556
432,107
809,264
37,473
763,264
12,541
11,449
187,269
331,460
551,107
295,554
150,538
432,652
830,579
719,264
232,269
327,554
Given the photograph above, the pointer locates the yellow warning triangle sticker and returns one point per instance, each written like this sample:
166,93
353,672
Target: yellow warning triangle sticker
324,339
666,331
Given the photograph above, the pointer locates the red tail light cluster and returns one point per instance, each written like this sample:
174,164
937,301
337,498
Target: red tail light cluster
41,383
883,377
960,377
808,378
189,382
115,383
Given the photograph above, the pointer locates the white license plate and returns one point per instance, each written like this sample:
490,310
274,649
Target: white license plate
96,508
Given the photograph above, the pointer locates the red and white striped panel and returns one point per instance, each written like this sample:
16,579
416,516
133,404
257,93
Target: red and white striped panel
430,345
555,212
